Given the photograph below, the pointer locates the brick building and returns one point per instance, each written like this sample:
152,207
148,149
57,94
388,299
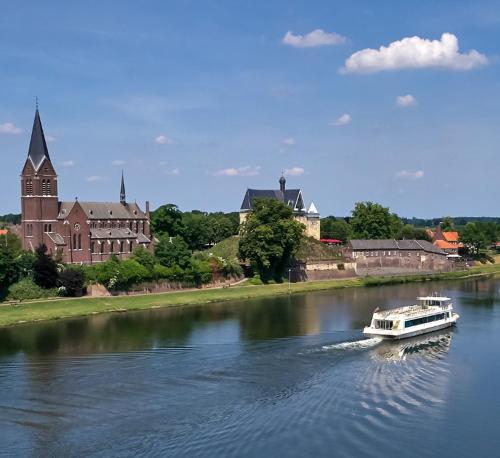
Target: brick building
80,232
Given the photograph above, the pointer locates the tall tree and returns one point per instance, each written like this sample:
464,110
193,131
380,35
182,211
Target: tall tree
270,238
45,269
447,224
335,228
373,221
167,219
173,251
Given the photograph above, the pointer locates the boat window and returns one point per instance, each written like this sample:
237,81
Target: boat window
383,324
424,319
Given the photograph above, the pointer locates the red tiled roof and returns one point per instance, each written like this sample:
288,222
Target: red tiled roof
451,236
330,241
444,245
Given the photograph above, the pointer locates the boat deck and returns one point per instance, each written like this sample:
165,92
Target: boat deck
411,311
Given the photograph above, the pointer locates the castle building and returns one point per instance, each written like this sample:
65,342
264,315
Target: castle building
309,217
78,232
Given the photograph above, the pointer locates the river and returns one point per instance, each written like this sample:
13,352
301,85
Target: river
286,376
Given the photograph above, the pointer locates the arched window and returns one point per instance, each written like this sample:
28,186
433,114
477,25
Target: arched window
44,228
121,247
74,241
112,247
50,227
47,188
29,187
79,241
92,247
102,247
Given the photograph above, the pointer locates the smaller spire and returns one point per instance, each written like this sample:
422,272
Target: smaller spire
123,200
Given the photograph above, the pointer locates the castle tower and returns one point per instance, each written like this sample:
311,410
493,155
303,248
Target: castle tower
39,200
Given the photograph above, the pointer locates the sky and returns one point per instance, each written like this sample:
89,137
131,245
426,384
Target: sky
396,102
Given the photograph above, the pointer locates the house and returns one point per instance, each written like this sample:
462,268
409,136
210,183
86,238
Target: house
395,257
448,241
78,232
309,217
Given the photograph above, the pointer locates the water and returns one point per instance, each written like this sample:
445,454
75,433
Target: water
275,377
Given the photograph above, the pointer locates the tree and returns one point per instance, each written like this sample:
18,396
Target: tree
197,230
144,257
372,221
447,224
72,280
473,238
167,219
410,232
8,268
270,238
173,251
333,228
45,268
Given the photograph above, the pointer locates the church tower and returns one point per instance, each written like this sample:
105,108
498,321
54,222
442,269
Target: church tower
39,200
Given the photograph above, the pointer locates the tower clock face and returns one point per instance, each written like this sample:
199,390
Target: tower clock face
77,226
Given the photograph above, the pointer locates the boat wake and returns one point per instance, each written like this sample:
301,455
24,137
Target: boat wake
356,345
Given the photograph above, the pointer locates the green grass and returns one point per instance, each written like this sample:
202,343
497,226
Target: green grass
227,248
65,308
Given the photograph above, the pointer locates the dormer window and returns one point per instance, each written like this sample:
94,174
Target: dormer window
110,212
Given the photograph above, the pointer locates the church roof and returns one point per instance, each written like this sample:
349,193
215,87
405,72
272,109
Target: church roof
104,210
289,197
38,147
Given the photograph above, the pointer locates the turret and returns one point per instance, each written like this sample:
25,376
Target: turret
282,183
123,199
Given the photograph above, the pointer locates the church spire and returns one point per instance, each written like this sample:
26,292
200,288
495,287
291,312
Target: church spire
122,192
38,147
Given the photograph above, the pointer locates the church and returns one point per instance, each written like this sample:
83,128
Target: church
76,232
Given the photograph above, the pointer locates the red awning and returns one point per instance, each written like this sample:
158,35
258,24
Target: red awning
330,241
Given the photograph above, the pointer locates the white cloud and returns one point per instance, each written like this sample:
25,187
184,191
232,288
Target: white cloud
68,163
118,162
246,171
410,175
50,139
312,39
414,52
294,171
174,172
406,101
96,179
163,140
343,120
290,141
9,128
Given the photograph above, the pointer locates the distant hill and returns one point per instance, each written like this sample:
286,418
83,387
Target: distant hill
10,218
433,222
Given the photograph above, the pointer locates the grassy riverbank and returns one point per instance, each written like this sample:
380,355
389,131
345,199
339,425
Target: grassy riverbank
66,308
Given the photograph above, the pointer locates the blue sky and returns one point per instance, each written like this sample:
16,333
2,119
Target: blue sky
197,101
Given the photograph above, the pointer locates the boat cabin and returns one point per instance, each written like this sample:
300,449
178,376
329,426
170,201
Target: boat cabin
434,301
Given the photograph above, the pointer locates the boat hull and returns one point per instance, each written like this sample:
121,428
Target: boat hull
369,332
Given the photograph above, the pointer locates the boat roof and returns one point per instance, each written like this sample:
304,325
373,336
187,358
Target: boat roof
434,298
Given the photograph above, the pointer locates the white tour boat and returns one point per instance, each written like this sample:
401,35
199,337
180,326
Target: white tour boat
430,314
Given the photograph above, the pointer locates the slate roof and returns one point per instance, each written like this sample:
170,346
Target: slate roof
112,234
58,239
289,197
38,147
104,210
407,245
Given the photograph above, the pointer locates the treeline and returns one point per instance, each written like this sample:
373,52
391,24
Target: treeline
370,221
198,229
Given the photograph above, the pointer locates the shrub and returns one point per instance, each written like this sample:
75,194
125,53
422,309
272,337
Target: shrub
27,289
72,280
255,280
341,266
201,272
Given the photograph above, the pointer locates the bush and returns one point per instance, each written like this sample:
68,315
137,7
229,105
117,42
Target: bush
45,269
341,266
27,289
72,282
255,280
